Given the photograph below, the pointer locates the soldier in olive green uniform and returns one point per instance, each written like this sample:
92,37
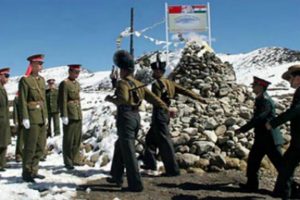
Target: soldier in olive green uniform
33,110
18,122
266,142
291,157
159,136
5,133
52,106
127,98
70,109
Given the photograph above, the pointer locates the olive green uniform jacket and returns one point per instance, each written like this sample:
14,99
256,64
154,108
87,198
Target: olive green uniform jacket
53,111
32,100
69,104
127,99
158,135
5,134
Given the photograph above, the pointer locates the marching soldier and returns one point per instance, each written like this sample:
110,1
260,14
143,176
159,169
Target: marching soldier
291,157
19,128
128,96
159,136
70,109
266,142
33,110
52,106
5,134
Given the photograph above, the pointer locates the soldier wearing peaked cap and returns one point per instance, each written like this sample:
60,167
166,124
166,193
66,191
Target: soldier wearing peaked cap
266,142
291,157
52,106
5,133
70,109
127,98
159,136
34,114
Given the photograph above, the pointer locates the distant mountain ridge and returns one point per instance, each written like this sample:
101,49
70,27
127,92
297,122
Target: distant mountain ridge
267,56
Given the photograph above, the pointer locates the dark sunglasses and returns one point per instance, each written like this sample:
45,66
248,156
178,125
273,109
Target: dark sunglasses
6,75
75,71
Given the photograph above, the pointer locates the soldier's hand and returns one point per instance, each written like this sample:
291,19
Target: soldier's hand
268,126
46,122
201,100
108,98
26,123
172,112
238,131
65,120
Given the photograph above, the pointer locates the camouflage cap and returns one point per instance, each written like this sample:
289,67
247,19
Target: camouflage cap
292,71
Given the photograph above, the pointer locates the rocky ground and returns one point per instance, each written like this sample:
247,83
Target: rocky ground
214,186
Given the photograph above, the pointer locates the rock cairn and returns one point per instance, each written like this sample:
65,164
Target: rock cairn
204,133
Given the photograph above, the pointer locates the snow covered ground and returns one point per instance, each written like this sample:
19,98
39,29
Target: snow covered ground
60,183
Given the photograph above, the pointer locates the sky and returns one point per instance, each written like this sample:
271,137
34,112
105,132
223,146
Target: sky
85,31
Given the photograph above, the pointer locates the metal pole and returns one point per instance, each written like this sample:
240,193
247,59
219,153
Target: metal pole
131,32
167,33
209,27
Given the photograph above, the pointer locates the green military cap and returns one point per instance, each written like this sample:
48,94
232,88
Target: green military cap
124,60
51,80
36,57
292,71
260,81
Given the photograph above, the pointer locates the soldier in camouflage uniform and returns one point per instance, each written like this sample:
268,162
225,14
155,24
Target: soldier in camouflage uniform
5,133
70,109
19,128
291,157
159,136
266,142
52,106
127,98
34,114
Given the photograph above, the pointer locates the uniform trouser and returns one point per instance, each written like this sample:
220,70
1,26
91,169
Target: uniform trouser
291,159
159,136
258,151
71,141
2,157
128,124
55,118
20,141
34,145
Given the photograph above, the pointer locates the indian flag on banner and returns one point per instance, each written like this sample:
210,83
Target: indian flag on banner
199,9
184,18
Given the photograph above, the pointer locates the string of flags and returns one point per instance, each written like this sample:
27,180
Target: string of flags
127,33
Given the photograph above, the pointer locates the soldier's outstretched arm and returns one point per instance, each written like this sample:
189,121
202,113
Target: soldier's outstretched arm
181,90
156,101
121,94
288,115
